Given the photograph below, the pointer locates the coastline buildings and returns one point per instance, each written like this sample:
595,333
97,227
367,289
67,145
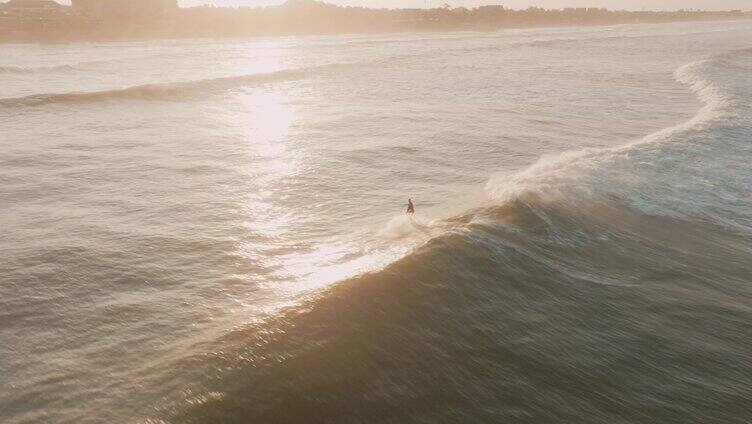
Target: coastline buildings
50,21
20,18
104,8
31,7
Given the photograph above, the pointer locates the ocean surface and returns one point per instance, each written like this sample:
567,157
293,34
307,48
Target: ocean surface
213,231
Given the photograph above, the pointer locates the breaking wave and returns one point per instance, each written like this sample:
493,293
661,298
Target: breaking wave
524,298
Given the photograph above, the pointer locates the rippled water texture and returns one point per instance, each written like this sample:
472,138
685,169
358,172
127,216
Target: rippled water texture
213,231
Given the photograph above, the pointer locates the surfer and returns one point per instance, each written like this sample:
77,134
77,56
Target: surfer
410,207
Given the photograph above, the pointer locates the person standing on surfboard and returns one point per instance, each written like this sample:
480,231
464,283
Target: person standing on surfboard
410,207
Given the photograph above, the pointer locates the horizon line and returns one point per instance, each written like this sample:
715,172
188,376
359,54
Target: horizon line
441,3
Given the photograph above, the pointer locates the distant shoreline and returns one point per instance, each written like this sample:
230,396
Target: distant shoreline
63,24
312,34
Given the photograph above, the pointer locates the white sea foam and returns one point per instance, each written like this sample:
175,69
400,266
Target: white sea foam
652,173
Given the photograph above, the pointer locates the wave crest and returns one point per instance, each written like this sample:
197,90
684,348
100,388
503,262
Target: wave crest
35,70
166,91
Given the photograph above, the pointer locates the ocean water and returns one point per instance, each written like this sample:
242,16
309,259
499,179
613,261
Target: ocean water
213,231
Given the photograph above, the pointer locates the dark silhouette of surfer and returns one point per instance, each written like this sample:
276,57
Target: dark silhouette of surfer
410,207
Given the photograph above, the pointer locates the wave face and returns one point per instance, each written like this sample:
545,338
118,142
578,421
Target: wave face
501,323
606,285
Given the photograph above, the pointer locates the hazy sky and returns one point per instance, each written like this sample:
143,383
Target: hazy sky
515,4
611,4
